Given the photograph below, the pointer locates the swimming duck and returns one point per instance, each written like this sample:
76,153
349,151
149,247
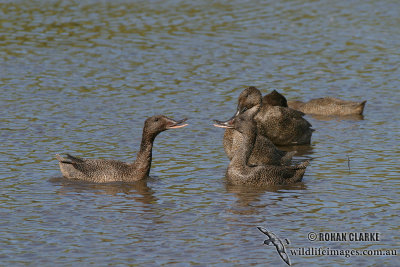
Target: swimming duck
264,151
281,125
327,106
103,170
240,172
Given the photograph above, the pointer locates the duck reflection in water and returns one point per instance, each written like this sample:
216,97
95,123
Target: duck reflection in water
138,191
250,200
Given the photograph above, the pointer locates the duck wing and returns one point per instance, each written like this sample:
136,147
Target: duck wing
292,112
99,165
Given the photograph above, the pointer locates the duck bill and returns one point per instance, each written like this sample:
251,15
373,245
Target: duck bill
172,124
225,124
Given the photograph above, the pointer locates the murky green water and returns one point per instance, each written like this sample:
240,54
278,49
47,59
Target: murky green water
82,76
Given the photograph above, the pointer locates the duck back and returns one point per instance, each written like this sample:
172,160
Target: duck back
264,175
283,126
329,106
98,170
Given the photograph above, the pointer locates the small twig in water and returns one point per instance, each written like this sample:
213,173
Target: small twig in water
348,162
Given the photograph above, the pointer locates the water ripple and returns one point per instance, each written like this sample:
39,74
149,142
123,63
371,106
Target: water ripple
82,77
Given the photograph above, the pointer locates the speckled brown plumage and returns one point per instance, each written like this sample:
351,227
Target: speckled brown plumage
329,106
264,151
240,172
281,125
103,170
275,99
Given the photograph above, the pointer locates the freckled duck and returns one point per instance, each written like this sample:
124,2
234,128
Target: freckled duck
103,171
239,171
264,151
326,106
281,125
329,106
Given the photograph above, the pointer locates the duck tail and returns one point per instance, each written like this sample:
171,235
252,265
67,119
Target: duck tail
361,107
287,158
300,169
302,166
59,158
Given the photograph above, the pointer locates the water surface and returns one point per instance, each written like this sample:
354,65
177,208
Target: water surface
81,77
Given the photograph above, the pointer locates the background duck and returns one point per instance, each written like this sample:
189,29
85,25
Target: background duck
329,106
240,172
103,170
324,106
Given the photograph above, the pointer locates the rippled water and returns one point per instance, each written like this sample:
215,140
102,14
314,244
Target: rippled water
82,76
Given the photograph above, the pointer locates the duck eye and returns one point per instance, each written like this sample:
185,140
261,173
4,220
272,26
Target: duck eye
244,109
156,119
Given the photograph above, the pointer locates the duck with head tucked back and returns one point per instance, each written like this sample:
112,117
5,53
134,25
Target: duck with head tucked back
328,106
325,106
240,172
104,171
281,125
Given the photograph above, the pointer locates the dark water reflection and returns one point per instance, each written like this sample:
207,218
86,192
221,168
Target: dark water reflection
250,200
81,77
138,191
354,117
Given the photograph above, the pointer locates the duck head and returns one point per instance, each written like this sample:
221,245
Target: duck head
249,99
249,102
275,99
159,123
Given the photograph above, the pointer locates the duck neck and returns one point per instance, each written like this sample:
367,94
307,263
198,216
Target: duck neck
142,163
254,110
242,155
